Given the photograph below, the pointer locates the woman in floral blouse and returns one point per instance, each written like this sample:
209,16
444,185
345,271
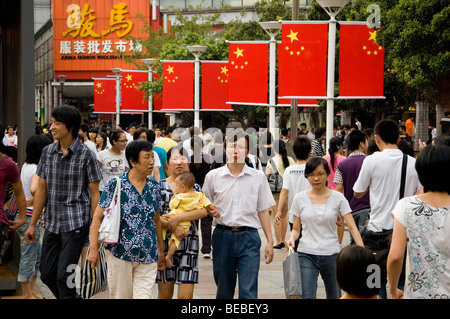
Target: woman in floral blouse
184,271
133,261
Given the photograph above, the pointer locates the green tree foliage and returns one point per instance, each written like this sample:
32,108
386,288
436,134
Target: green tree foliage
416,36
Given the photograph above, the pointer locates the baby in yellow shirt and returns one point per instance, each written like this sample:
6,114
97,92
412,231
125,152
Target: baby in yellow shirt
184,200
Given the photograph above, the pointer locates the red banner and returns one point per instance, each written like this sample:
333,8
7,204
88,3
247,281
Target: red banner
302,60
133,100
215,85
248,73
104,96
178,85
361,62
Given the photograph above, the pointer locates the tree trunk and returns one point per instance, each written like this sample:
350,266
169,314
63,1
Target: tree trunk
421,124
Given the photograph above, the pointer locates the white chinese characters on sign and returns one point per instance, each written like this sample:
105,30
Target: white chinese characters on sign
99,47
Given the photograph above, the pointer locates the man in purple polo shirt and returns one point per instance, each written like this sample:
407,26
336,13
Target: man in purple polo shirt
347,173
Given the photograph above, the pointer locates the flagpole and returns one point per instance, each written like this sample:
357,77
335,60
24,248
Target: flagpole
197,51
149,63
332,7
117,73
272,28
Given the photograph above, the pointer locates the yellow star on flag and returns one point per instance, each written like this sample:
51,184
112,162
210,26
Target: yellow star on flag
239,53
224,70
373,35
293,36
129,77
170,69
99,85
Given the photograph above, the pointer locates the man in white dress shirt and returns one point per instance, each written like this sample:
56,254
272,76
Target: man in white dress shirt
241,196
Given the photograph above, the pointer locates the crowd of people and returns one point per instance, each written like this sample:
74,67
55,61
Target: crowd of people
178,184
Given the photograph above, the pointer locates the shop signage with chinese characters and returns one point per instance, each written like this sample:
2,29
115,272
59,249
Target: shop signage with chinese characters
92,35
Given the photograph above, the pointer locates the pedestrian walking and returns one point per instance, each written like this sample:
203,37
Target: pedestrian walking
317,210
112,161
68,189
30,253
242,198
347,173
184,270
133,261
381,175
278,164
421,228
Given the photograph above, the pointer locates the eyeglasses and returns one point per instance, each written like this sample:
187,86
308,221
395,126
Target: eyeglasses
318,175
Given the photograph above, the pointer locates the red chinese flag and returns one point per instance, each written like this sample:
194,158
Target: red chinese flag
178,85
133,100
302,60
215,85
104,96
248,73
361,62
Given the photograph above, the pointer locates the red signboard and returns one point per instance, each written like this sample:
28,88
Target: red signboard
91,36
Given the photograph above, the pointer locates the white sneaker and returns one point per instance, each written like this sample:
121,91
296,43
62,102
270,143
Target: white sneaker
207,256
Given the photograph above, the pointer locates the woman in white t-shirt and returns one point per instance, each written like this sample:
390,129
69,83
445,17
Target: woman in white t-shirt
112,161
422,228
281,161
317,210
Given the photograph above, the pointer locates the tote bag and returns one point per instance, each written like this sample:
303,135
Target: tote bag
109,229
94,280
292,276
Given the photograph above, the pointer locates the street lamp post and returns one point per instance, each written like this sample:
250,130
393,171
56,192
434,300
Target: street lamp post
197,51
332,7
149,63
62,80
117,72
272,28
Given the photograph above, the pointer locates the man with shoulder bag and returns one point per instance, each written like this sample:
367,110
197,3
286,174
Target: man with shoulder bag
381,174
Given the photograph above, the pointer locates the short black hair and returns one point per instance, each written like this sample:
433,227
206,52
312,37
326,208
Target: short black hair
70,116
355,138
318,133
433,169
313,162
302,147
388,131
35,145
352,271
233,137
138,133
134,148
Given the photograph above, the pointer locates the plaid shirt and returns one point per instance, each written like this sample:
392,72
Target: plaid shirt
67,177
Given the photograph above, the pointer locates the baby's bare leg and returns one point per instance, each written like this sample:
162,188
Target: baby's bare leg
170,252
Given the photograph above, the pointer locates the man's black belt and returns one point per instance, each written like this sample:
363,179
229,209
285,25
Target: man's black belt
235,228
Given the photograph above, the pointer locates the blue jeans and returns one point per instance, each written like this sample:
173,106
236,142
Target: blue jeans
30,254
310,267
360,219
236,254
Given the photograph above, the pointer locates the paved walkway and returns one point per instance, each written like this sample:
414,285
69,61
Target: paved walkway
270,285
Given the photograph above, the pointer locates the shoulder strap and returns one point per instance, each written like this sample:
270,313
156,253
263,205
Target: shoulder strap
2,157
273,166
403,178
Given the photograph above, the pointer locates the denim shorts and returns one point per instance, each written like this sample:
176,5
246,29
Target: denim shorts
30,254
